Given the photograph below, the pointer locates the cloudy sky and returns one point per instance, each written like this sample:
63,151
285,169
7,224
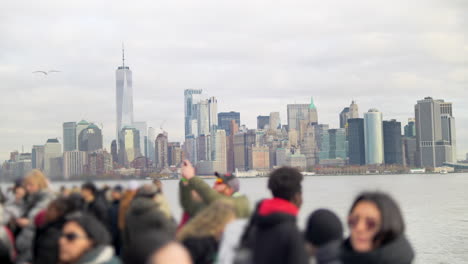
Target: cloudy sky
254,56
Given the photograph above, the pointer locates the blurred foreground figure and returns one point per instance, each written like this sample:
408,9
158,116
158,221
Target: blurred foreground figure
46,247
39,197
324,235
226,187
147,214
84,239
272,235
376,232
201,236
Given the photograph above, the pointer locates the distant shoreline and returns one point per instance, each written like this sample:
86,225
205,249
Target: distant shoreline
252,177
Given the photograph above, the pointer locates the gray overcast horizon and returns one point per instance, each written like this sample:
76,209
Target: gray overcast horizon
255,57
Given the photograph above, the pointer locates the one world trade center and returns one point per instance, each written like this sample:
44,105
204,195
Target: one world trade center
124,97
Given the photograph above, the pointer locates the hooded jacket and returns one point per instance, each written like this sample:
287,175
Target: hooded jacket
274,236
46,242
144,216
398,251
34,204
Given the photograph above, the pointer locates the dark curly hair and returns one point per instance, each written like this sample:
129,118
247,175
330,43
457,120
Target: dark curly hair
285,182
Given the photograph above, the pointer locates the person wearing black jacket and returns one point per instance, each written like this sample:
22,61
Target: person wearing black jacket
376,232
47,237
272,235
96,204
144,215
114,218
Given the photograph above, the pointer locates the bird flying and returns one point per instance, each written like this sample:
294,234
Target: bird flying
46,72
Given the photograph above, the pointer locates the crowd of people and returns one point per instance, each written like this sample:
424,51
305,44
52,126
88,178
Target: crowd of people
134,224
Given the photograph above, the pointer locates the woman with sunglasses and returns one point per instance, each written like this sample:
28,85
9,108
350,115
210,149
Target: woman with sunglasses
84,239
376,229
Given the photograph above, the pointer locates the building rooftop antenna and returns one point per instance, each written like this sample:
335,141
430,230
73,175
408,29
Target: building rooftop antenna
123,55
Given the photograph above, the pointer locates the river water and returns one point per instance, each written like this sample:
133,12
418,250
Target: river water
435,207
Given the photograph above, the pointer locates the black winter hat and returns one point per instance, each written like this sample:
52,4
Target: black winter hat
323,226
94,229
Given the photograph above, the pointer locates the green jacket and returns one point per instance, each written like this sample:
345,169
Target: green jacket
208,195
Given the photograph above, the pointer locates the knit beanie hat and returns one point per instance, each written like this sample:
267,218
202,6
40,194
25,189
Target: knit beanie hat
323,226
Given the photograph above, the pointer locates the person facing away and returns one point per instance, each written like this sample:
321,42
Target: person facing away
84,240
225,187
272,235
95,203
201,236
376,232
39,197
324,235
116,195
164,250
145,215
157,247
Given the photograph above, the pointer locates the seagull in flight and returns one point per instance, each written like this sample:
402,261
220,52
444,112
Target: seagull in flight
46,72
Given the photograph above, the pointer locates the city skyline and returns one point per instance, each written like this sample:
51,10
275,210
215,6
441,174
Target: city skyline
254,74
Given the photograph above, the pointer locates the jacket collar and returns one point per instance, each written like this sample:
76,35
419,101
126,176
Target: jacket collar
277,205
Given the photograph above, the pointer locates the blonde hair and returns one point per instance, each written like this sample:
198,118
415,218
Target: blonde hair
209,222
38,178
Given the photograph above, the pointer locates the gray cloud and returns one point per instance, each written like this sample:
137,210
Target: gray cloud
254,56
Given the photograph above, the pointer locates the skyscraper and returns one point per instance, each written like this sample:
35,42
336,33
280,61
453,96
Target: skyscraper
74,164
204,147
275,120
356,145
90,138
373,137
161,151
298,112
230,146
203,118
344,117
143,129
130,143
174,151
190,110
150,142
114,151
263,121
410,128
52,150
435,132
37,157
224,121
124,98
348,112
69,136
333,144
410,151
353,110
83,124
213,113
219,152
393,152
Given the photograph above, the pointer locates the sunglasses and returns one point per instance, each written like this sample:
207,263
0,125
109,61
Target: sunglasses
370,223
72,236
